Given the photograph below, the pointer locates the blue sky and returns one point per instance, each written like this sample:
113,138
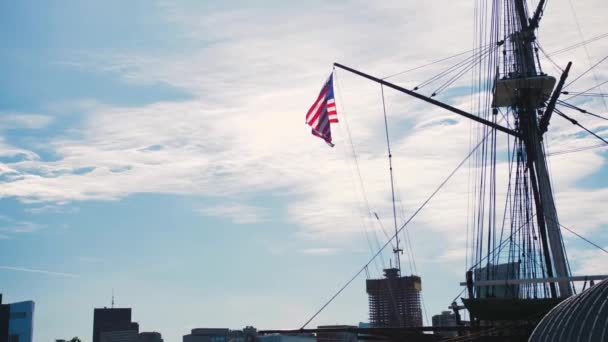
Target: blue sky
157,149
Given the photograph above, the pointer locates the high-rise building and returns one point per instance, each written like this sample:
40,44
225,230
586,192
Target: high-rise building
16,321
21,322
445,319
114,325
394,301
119,336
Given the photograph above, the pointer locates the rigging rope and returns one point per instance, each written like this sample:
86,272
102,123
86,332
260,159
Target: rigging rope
428,64
396,250
580,31
595,86
390,163
463,71
580,149
574,122
461,68
571,106
585,72
548,56
585,239
579,44
398,231
381,225
502,243
406,236
584,94
356,162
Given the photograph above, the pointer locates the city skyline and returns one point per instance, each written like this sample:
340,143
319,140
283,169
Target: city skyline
156,150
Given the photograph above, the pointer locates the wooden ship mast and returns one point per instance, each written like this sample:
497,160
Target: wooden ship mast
525,275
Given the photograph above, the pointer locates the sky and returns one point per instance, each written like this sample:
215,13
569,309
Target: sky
157,150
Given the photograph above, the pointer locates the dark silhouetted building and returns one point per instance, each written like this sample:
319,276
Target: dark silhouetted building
248,334
287,338
445,319
150,337
342,336
114,325
394,301
207,335
4,317
119,336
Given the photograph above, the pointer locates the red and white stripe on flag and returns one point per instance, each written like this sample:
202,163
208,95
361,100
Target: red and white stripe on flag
323,112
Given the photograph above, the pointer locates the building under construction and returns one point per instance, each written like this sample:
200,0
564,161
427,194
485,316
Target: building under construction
394,301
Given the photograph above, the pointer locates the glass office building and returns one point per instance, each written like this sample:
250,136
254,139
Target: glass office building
21,322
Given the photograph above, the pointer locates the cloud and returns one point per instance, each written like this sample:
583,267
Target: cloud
252,73
9,120
243,132
31,270
320,251
590,261
52,208
8,150
12,226
237,213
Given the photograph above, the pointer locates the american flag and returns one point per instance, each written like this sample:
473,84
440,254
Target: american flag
323,112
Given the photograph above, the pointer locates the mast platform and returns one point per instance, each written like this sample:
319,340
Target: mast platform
507,91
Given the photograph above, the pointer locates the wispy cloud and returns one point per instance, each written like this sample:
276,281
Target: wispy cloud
320,251
52,208
9,120
590,261
31,270
237,213
12,226
252,75
21,227
221,144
